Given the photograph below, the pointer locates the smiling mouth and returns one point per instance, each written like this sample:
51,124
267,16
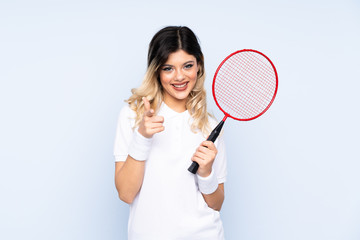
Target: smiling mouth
180,85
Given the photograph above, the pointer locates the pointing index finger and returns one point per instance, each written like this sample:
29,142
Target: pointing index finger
148,111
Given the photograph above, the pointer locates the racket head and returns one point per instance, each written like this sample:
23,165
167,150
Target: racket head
245,85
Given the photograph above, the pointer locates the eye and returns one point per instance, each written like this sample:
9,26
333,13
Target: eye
190,65
166,69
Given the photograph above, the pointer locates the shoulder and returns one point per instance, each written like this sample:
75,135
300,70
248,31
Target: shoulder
213,122
127,116
127,113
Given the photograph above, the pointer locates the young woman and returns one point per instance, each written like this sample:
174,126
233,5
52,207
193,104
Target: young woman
161,130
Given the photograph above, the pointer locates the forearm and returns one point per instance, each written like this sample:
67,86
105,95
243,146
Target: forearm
215,199
129,176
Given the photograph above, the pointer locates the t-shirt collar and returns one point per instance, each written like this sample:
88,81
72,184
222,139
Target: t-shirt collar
167,112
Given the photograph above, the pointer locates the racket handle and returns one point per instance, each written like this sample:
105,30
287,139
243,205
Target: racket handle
213,136
193,167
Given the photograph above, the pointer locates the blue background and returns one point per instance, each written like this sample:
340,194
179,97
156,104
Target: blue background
66,67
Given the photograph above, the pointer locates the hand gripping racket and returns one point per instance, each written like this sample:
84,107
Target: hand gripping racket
244,87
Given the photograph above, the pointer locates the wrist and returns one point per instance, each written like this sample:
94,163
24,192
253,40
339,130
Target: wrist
209,184
140,146
142,132
204,172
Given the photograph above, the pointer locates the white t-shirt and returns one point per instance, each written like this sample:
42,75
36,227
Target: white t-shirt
169,204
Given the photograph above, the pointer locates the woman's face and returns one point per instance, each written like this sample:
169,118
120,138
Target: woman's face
178,77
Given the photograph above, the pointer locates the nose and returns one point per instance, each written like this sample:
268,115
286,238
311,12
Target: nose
179,76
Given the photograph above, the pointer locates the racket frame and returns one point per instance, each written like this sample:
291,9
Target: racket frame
217,71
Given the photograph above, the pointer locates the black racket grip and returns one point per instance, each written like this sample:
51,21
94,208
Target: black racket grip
213,136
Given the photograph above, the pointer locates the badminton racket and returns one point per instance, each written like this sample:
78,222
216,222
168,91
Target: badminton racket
244,87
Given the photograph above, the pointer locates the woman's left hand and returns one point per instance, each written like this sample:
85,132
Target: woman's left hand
205,155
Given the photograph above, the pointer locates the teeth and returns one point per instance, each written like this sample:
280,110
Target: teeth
180,86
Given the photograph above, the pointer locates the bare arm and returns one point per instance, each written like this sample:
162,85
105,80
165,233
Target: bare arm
215,199
129,176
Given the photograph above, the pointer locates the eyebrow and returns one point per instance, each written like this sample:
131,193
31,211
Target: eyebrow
169,65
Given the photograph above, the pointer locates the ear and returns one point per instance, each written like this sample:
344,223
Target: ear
200,71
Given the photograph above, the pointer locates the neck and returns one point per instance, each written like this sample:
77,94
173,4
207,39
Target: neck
176,105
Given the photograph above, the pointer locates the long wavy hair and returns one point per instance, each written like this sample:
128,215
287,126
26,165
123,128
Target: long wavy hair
166,41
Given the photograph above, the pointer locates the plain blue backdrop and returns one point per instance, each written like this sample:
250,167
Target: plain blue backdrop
66,67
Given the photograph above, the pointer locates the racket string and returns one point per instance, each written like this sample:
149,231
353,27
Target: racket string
245,85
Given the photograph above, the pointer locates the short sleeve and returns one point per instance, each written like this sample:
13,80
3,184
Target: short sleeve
124,133
220,160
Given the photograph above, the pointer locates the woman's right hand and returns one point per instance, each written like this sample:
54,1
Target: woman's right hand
151,123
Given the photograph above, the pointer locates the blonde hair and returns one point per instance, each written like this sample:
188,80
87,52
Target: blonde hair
166,41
